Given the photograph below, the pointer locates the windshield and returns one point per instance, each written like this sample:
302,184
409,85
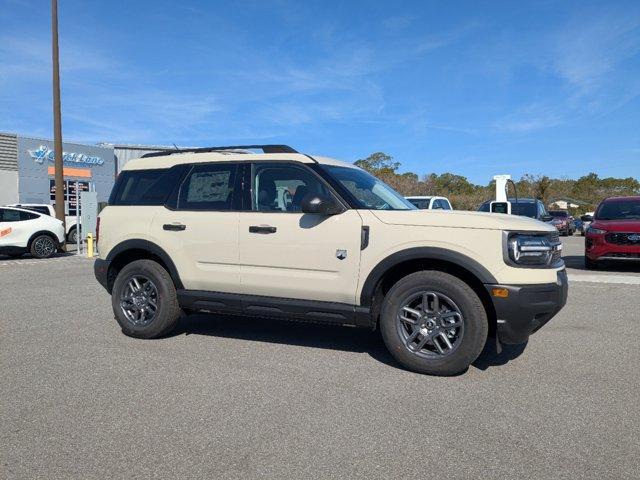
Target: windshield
524,209
619,210
367,190
558,213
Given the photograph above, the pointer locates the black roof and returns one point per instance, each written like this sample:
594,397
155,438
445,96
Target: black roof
264,148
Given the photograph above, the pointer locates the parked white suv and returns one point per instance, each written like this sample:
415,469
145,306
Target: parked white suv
23,231
70,221
430,202
283,234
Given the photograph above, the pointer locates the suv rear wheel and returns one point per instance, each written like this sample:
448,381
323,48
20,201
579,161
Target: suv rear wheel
43,246
433,323
144,300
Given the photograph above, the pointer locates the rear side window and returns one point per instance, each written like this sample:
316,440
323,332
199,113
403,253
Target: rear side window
146,187
209,187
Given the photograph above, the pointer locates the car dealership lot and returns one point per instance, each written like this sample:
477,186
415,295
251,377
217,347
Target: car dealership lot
230,397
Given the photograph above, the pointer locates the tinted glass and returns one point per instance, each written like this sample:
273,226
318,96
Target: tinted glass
524,209
145,187
36,208
282,187
10,215
437,204
619,210
446,205
422,204
558,213
484,207
208,187
369,192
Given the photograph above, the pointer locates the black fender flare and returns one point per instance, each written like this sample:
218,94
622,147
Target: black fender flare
152,248
421,253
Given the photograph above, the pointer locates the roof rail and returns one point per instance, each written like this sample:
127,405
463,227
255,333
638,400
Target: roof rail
264,148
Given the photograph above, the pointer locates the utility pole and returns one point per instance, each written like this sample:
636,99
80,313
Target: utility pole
57,118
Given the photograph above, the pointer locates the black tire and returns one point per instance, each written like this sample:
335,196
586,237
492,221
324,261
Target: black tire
43,246
474,319
590,264
167,312
72,236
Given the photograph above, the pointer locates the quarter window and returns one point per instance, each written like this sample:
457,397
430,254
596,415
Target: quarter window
282,187
145,187
209,187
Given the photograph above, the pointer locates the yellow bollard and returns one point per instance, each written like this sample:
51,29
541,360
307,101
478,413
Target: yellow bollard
89,245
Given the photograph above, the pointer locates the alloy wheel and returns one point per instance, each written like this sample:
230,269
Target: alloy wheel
44,246
430,324
139,301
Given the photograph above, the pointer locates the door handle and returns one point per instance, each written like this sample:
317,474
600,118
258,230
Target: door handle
174,227
264,229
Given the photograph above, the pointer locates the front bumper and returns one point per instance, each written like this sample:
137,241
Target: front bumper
527,308
101,271
597,248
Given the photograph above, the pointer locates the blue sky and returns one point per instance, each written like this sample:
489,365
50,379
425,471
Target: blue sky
476,88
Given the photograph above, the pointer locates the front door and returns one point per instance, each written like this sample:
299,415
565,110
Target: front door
286,253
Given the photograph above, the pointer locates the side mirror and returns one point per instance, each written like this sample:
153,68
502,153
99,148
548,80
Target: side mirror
546,218
586,218
320,204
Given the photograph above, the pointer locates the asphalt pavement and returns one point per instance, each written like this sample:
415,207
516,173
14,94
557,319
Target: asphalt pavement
229,397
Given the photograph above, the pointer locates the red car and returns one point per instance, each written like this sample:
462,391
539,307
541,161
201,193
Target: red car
614,233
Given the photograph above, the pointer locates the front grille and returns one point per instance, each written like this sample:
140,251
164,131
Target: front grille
557,255
623,238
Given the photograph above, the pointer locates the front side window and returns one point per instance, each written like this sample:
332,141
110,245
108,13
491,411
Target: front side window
369,192
209,187
282,187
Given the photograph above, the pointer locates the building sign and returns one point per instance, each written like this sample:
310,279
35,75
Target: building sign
43,153
71,194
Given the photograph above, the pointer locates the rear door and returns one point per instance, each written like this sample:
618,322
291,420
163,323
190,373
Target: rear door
199,228
289,254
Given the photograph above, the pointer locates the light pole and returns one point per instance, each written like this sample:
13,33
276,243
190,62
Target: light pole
57,120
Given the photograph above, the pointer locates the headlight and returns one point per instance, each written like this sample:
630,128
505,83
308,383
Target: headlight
596,231
533,249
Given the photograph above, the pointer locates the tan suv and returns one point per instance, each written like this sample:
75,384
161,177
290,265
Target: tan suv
284,234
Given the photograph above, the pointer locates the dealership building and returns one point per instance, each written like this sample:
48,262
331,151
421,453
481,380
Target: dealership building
27,169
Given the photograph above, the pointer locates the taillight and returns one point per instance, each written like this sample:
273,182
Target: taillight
97,228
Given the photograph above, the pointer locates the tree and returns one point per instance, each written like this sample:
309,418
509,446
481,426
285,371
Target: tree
465,195
378,162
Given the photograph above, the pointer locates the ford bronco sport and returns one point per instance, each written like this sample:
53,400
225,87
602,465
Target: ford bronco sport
283,234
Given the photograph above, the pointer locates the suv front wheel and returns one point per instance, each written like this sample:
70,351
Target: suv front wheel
144,300
433,323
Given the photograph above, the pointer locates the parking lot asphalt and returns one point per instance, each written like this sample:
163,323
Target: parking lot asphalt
230,397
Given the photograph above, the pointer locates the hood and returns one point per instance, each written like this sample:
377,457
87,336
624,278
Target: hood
461,219
617,225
